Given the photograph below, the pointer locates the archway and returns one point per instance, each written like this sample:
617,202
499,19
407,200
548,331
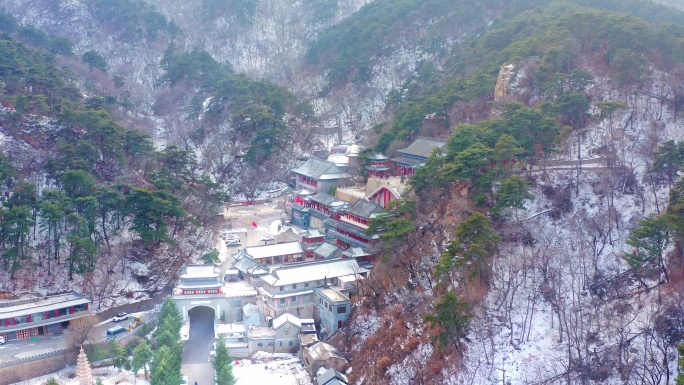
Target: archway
201,322
200,342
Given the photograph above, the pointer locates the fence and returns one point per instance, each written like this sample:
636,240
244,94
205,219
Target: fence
41,356
127,335
247,203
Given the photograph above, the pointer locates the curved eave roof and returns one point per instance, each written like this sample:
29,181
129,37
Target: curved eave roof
342,175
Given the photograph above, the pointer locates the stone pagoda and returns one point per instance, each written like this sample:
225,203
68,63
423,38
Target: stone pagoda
83,371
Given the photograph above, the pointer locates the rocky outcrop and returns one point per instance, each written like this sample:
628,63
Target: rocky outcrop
514,83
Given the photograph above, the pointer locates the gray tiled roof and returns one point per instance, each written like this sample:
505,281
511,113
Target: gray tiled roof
249,266
364,209
320,169
324,199
318,215
377,156
346,227
422,147
327,250
310,211
377,168
354,252
331,377
406,161
311,233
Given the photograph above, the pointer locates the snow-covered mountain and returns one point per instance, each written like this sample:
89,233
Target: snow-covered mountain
562,305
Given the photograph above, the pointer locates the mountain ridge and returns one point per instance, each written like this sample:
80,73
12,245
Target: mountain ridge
593,100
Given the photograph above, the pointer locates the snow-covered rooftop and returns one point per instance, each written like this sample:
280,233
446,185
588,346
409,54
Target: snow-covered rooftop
261,332
332,294
248,265
229,329
308,339
285,294
16,308
326,250
238,289
330,377
274,250
311,233
350,278
320,169
313,271
338,159
286,317
323,351
249,309
200,271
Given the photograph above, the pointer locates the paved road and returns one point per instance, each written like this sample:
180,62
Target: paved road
196,353
14,350
99,331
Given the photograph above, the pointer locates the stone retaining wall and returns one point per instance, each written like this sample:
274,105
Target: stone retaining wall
36,367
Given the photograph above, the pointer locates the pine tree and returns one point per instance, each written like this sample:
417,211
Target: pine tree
471,162
53,209
512,193
475,242
164,369
223,364
94,60
649,240
211,257
118,353
451,319
170,317
82,249
167,337
110,209
142,354
680,363
668,160
507,149
7,172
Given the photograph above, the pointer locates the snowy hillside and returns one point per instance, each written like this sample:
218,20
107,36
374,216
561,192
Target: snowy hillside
602,329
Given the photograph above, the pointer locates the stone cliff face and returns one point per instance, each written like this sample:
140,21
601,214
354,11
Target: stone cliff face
137,61
514,83
521,316
267,43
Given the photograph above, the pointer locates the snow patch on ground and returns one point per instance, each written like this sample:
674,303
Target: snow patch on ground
365,325
403,373
568,292
282,368
109,376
